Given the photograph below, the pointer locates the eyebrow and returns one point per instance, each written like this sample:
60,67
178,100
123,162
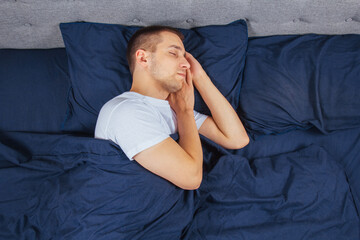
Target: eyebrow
177,47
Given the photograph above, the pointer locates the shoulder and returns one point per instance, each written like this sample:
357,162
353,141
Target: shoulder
130,109
122,104
120,112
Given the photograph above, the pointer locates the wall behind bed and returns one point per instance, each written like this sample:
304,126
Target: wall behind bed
34,23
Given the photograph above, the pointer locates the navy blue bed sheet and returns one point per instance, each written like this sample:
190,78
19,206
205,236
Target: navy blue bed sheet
299,185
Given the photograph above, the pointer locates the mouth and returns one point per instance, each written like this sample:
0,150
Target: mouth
182,74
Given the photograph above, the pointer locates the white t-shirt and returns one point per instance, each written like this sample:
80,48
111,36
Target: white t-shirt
136,122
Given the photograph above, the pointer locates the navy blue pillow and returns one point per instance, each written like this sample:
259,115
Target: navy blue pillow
99,70
34,87
302,81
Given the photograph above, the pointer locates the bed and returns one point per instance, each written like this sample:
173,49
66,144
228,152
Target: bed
291,70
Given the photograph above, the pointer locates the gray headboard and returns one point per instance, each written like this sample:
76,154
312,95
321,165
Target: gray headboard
35,23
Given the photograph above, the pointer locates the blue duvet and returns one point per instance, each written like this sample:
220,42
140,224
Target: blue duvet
73,187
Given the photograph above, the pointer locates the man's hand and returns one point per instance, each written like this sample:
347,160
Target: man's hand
183,100
224,126
196,69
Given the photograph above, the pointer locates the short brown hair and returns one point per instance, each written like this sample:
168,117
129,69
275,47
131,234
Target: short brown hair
147,38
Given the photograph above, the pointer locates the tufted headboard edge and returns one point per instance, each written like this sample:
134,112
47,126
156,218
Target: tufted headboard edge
35,23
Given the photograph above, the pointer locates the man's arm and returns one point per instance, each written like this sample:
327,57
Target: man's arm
224,127
180,163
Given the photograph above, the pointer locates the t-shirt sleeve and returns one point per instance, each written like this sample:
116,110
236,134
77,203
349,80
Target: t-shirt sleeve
134,127
199,119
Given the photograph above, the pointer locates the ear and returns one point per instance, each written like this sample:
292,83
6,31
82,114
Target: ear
142,57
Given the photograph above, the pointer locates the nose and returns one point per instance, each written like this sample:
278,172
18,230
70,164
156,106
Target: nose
184,63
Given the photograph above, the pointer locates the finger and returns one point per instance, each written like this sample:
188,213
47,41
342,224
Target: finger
188,79
189,57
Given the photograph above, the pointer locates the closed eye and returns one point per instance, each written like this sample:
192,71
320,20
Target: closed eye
173,53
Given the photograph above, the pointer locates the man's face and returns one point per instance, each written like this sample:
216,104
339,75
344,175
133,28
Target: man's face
168,64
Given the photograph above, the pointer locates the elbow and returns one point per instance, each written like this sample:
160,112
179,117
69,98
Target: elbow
192,182
245,141
194,174
197,182
239,142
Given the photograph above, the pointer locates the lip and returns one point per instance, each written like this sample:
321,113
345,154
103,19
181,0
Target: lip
182,74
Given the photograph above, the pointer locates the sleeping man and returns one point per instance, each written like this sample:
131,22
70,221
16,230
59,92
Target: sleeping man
161,102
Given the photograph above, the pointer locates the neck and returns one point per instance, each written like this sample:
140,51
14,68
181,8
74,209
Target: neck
148,87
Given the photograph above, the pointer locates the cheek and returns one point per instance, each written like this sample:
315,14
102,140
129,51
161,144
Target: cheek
168,69
165,68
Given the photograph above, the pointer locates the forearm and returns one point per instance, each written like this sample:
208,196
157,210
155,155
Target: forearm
221,110
189,138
